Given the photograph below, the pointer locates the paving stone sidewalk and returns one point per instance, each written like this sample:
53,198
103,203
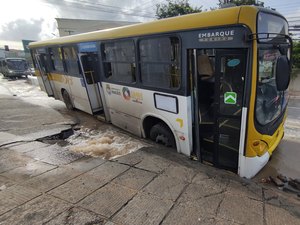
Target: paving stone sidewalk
150,186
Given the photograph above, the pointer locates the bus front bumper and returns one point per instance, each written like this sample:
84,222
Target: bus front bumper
250,166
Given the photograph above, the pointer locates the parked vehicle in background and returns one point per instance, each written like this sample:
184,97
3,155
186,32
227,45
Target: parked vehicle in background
14,67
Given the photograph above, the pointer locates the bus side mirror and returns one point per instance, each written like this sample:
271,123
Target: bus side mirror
283,73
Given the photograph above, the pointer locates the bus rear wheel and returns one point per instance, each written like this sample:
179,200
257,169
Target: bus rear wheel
67,100
161,134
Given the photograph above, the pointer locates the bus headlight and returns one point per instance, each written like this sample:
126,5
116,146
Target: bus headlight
260,147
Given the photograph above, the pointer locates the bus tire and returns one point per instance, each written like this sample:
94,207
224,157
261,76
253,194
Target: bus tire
161,134
67,100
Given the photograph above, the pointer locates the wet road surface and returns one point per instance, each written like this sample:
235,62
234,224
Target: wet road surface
285,159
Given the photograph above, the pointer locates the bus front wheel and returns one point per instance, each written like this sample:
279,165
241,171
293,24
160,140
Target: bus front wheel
67,100
161,134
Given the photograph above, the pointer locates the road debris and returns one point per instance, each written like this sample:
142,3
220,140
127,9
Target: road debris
284,183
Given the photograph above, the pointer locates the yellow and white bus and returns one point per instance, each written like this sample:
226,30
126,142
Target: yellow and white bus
213,85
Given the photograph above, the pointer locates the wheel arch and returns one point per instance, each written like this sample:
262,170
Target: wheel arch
63,90
149,120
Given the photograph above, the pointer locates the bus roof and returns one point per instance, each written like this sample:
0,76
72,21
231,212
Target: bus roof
192,21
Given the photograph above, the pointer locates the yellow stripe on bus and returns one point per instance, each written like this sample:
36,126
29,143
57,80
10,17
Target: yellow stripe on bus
61,78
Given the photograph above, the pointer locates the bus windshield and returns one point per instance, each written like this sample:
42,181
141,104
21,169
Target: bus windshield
269,101
271,27
17,64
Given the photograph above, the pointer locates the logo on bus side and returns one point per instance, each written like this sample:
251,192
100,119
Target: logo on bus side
134,96
223,35
126,93
112,90
137,97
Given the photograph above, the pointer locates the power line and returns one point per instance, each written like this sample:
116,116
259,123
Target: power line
146,3
288,10
290,17
97,8
289,3
121,9
293,21
285,6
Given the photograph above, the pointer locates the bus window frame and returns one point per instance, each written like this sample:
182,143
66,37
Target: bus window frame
79,74
256,35
273,125
177,90
102,62
138,84
51,61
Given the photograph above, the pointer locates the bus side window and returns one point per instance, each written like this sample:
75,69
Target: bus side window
71,61
56,60
159,62
119,61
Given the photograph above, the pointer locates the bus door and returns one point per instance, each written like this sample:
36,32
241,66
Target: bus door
41,60
89,63
220,76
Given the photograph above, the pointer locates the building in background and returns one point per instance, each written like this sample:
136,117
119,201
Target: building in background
65,27
76,26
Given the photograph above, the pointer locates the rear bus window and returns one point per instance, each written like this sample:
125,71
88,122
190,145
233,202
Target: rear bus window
159,62
119,61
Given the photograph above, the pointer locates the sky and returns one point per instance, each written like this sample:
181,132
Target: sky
35,19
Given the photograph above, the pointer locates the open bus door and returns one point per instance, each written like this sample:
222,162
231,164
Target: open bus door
42,66
219,90
89,63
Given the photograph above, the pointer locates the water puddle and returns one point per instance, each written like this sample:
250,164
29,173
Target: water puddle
108,144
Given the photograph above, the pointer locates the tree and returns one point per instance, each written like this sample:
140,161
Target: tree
240,2
296,54
296,59
175,8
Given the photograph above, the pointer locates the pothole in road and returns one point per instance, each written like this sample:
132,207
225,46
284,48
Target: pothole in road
59,139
